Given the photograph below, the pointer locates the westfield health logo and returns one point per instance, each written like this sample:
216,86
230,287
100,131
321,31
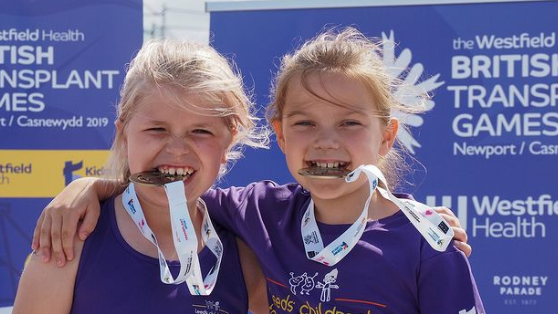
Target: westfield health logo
493,216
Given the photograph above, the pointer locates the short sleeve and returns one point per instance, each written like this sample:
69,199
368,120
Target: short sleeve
447,286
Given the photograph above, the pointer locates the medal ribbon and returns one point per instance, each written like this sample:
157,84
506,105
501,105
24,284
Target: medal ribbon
431,225
184,238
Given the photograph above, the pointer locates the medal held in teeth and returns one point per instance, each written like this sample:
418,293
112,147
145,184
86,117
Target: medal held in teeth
156,178
324,173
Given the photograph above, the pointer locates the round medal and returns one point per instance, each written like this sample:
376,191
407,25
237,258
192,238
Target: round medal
155,178
324,173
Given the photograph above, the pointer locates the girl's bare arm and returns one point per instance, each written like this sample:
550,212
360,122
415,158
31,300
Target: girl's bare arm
77,205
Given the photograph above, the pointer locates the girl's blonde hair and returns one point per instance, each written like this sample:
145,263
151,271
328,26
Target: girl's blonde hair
349,53
175,68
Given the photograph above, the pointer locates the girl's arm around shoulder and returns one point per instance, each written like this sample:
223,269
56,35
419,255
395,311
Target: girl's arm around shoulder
229,207
58,222
446,284
46,288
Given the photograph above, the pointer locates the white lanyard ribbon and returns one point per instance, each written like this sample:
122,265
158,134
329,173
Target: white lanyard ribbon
432,226
184,238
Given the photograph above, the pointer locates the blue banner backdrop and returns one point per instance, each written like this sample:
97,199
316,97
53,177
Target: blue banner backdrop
61,67
489,142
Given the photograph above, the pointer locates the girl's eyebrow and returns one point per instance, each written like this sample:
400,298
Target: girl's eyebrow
295,113
153,121
350,112
149,118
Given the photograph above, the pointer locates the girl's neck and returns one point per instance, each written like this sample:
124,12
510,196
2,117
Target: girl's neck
158,219
347,209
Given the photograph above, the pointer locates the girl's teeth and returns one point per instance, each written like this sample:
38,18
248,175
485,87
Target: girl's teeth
328,164
176,171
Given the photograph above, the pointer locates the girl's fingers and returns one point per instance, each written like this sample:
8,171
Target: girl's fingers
56,240
44,241
37,232
69,226
464,247
89,221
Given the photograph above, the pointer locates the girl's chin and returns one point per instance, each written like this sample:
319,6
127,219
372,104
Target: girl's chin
324,191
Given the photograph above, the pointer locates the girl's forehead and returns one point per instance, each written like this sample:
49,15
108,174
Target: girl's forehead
320,108
172,99
329,92
161,110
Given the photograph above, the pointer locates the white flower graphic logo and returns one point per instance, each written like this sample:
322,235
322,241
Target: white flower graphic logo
409,93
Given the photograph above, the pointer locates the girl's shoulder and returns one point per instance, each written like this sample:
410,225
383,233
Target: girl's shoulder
260,190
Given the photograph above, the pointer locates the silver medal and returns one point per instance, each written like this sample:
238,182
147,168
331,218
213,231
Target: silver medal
155,178
324,173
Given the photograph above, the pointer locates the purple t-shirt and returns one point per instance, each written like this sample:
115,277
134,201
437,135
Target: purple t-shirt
114,278
392,269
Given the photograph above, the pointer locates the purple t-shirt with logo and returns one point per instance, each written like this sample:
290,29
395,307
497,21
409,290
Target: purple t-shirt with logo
392,269
114,278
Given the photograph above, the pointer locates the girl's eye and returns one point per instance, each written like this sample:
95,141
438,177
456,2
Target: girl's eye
303,123
202,132
351,123
156,130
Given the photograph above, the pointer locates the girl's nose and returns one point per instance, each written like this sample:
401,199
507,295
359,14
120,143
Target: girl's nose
177,145
326,140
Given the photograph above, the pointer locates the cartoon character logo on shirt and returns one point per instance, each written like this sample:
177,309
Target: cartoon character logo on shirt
305,284
212,305
308,285
328,284
295,281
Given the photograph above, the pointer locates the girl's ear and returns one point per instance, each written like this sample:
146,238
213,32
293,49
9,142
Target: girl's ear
390,134
120,131
119,125
224,158
278,128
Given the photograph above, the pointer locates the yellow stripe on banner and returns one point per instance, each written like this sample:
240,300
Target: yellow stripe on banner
44,173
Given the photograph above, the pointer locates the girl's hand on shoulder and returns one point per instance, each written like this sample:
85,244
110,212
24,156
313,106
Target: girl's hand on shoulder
460,235
56,228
